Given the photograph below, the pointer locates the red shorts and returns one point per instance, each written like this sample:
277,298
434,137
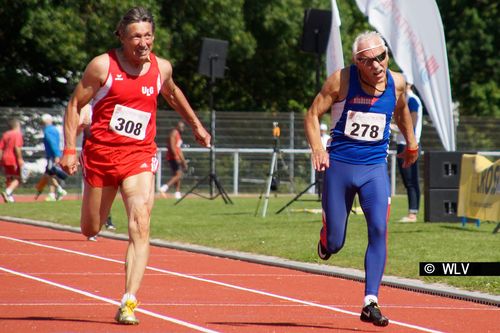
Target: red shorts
109,166
11,171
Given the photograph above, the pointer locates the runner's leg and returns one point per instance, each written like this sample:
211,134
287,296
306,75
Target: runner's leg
138,195
338,196
96,204
374,196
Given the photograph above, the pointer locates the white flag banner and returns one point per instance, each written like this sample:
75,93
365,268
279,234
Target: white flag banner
335,58
334,54
414,32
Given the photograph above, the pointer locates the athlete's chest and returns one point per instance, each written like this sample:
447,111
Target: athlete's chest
135,87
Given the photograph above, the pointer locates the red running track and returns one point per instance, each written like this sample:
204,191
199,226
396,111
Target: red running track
56,281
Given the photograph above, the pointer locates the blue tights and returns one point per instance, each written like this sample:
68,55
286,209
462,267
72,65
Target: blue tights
342,181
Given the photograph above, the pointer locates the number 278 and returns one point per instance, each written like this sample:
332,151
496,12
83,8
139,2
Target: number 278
362,129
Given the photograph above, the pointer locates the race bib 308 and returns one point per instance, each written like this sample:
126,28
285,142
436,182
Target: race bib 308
129,122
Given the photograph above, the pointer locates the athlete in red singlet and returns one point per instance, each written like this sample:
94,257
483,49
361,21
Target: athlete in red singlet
175,159
11,158
123,85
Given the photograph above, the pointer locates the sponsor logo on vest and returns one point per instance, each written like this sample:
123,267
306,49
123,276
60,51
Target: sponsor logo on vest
119,77
148,91
363,100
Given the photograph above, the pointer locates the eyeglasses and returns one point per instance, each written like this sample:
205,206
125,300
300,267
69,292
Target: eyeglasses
369,61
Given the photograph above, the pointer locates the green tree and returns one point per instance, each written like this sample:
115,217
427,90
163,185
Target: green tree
45,45
51,42
471,31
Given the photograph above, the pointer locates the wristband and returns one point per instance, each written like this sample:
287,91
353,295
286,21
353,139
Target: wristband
412,151
69,151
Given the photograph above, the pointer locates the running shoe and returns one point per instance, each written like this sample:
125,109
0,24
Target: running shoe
323,252
7,197
60,193
92,238
177,195
371,314
50,197
163,190
109,224
125,314
408,219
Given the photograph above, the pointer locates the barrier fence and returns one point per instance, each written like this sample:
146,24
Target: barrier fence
240,170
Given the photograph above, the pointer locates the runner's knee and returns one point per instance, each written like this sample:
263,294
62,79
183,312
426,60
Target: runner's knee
89,229
139,220
335,244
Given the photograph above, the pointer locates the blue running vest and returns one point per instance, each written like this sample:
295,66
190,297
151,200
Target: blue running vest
361,132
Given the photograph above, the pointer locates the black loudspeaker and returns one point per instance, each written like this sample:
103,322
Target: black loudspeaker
442,169
441,183
316,30
212,62
441,205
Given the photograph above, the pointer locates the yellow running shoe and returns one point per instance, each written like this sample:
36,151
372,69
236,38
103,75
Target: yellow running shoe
125,314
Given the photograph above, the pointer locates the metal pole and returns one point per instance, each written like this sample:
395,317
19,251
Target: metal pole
236,171
318,60
268,184
212,125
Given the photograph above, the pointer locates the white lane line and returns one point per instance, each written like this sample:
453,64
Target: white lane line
107,300
249,305
254,291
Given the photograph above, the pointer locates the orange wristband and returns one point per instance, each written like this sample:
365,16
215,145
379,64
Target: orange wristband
69,151
412,151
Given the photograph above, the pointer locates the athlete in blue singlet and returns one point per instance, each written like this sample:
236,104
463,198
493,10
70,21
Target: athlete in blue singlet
367,94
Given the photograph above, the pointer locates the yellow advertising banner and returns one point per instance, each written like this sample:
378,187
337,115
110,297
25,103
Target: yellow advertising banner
479,192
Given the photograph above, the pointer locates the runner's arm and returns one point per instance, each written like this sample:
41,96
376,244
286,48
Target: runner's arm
93,78
321,104
178,101
404,121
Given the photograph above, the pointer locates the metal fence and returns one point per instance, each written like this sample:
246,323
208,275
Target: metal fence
240,170
244,144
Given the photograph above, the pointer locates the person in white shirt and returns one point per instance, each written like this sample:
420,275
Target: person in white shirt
410,175
325,137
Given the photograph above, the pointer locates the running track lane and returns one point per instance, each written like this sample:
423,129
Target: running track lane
56,281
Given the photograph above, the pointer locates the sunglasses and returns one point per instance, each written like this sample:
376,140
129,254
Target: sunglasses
369,61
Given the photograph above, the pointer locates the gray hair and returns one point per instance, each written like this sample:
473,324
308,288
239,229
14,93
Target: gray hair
365,36
134,15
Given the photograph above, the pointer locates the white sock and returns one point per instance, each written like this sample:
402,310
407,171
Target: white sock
128,296
369,299
9,192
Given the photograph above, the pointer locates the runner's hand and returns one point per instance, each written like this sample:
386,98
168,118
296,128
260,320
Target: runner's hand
409,157
202,136
69,163
320,159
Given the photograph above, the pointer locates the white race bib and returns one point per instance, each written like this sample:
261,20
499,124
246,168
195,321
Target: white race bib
129,122
364,126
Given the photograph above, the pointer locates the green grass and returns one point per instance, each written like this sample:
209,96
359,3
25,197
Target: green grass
294,235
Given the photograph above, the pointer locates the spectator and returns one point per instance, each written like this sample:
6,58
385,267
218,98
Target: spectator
325,137
51,141
175,159
410,175
11,158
